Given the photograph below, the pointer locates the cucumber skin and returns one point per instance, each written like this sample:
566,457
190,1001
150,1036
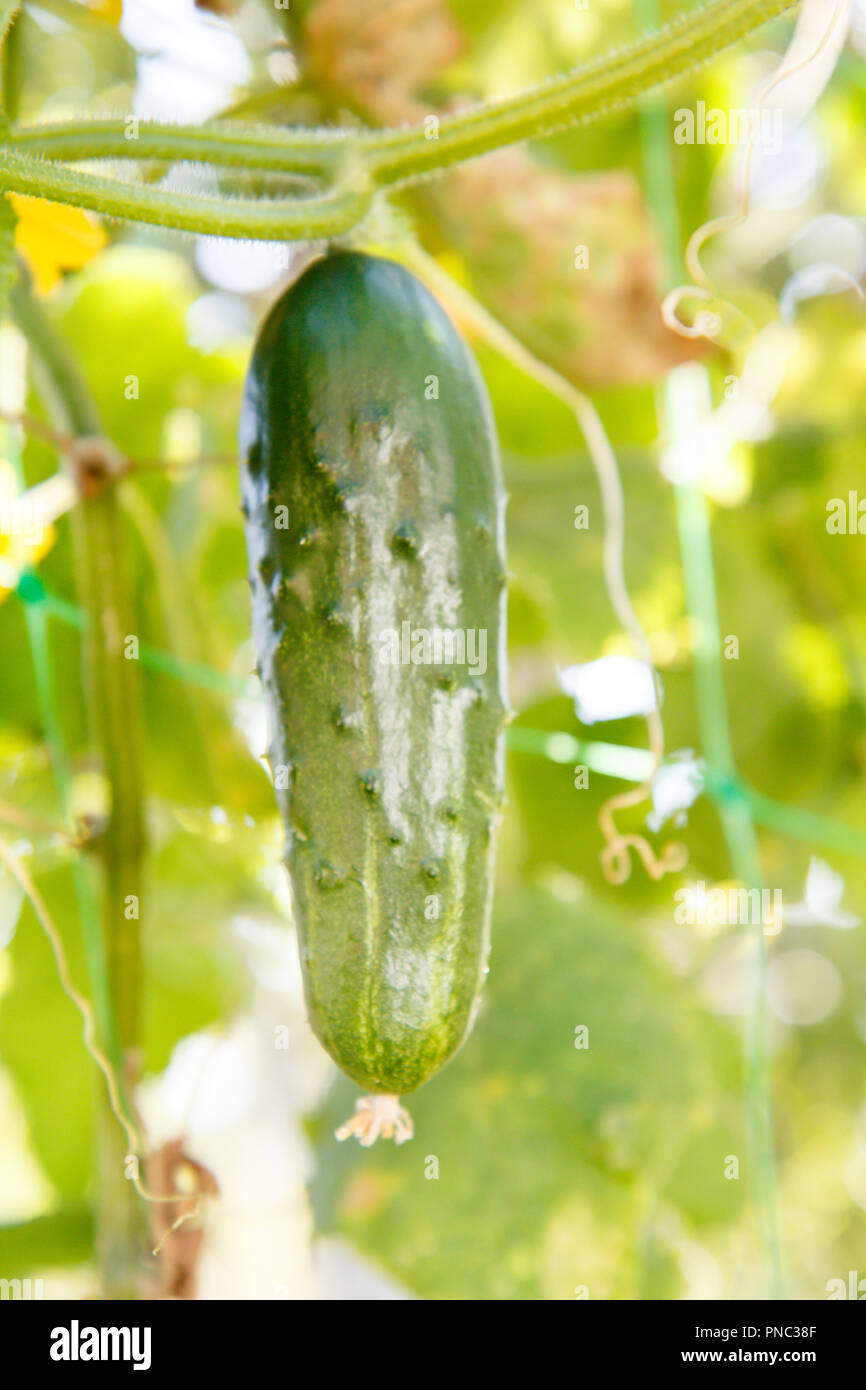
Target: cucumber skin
395,782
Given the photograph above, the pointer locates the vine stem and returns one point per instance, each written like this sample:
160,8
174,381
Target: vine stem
587,92
741,838
113,703
227,143
291,219
358,163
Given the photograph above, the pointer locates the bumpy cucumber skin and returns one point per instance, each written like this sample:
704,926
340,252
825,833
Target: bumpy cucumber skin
395,772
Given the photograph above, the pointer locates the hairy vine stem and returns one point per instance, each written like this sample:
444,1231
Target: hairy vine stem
291,219
315,153
354,164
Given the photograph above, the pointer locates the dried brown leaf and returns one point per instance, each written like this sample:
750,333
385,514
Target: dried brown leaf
377,54
170,1171
521,229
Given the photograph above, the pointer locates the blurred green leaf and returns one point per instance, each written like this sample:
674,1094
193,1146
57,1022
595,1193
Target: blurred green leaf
42,1046
547,1155
54,1241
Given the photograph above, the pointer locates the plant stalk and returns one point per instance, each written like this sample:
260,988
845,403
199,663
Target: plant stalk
112,687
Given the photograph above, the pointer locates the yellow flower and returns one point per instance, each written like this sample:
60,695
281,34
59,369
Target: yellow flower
53,238
112,10
25,533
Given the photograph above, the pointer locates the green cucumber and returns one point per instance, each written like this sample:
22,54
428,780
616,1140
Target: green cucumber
374,513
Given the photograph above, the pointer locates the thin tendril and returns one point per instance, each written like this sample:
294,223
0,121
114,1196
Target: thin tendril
30,424
133,1134
706,324
65,445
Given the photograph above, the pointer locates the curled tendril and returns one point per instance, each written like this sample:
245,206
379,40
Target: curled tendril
615,858
616,864
708,325
705,325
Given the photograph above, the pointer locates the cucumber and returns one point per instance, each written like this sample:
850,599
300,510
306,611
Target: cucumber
374,515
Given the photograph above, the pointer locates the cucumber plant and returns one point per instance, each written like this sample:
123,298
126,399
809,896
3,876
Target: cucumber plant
392,880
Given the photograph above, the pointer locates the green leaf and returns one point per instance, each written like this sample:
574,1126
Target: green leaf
8,268
41,1042
61,1238
11,902
8,11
